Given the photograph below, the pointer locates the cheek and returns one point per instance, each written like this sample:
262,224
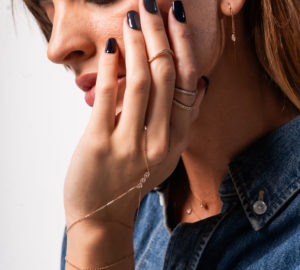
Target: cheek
108,22
204,19
209,49
104,27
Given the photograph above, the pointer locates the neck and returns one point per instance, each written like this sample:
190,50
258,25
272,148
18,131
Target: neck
240,106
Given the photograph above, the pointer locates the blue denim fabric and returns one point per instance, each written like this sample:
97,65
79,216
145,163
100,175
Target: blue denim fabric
239,237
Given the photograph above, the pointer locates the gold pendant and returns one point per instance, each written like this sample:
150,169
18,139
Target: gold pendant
203,204
188,211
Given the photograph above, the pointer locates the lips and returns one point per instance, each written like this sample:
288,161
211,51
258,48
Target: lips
90,96
87,83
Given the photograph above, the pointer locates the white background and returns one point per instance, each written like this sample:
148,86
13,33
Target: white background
42,116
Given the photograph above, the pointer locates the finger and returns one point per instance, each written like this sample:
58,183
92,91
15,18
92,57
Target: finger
103,113
180,37
162,72
182,129
138,78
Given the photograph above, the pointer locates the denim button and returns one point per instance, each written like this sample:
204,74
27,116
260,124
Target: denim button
259,207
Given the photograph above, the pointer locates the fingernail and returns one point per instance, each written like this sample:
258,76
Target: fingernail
111,45
151,6
178,11
206,80
133,20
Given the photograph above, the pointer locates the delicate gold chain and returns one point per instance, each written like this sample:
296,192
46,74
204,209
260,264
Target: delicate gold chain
138,186
98,268
194,212
144,179
191,209
100,208
203,204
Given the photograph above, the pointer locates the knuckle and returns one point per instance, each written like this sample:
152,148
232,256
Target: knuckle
136,41
141,81
102,146
130,151
97,145
158,27
159,154
166,71
106,88
189,75
185,33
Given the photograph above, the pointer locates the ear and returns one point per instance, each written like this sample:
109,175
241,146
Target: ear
236,6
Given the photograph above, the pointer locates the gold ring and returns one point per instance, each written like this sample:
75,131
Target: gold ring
160,53
183,106
189,93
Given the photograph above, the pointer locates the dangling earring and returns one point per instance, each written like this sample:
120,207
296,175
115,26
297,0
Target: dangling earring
233,33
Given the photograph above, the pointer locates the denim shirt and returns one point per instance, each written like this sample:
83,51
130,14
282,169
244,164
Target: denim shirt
259,224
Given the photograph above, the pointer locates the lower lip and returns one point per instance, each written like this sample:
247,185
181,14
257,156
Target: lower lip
90,94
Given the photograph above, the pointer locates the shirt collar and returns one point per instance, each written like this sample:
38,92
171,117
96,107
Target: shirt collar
270,165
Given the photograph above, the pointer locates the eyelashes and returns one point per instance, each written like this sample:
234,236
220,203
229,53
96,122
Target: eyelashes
101,2
48,6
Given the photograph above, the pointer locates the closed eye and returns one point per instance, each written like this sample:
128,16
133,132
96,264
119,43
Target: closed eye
102,2
48,6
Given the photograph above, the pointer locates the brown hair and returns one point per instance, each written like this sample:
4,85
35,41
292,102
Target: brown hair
40,16
275,28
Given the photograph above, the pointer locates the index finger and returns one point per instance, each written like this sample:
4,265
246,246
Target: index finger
162,71
103,114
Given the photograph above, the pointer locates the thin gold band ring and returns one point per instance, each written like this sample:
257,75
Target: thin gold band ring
183,106
160,53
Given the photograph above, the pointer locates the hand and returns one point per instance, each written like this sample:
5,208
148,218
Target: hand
109,158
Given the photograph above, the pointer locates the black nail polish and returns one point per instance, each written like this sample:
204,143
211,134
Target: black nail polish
151,6
111,46
178,11
133,20
206,80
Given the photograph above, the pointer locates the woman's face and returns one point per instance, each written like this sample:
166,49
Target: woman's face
81,29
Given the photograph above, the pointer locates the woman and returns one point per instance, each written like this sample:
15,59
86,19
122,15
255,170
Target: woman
223,191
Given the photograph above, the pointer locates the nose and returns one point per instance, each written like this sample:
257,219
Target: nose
70,41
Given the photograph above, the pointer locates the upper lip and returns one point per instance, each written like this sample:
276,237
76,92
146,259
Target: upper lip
88,81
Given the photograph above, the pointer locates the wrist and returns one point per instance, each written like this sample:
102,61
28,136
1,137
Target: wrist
121,211
98,244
